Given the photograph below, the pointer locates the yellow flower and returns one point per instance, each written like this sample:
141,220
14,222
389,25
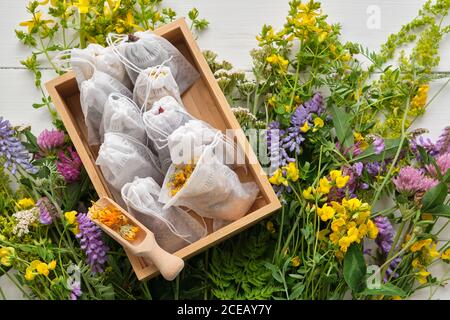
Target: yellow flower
353,234
418,245
71,218
318,123
52,2
6,256
427,216
432,252
305,127
342,181
29,274
372,229
83,6
362,229
42,268
323,36
31,24
52,265
307,193
334,237
324,186
321,235
446,255
270,227
292,172
396,298
344,243
334,174
352,204
326,213
416,263
278,60
296,261
420,100
278,178
272,101
337,224
422,276
25,203
338,207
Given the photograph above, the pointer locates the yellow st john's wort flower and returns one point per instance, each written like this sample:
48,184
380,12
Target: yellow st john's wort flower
278,60
31,24
45,2
326,212
25,204
6,256
324,186
83,6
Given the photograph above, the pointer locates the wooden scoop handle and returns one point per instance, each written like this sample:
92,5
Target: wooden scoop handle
168,264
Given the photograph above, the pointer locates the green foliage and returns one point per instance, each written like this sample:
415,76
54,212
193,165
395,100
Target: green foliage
238,268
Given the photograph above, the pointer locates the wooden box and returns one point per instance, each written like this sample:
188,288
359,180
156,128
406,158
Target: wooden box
205,101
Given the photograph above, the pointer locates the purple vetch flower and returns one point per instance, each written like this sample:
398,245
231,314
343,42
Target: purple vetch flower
45,207
443,162
358,168
384,242
91,243
378,145
76,291
278,155
50,140
12,150
443,142
302,114
69,165
411,180
373,168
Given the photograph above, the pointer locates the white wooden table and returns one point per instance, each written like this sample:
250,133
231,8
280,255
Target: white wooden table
233,27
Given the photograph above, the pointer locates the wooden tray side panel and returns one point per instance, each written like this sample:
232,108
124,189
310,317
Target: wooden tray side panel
203,100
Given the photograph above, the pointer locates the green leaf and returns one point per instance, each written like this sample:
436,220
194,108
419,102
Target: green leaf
355,268
434,197
440,211
390,148
297,290
342,122
387,289
193,14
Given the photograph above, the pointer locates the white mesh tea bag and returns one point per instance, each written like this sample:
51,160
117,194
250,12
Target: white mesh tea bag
93,95
184,73
209,187
187,143
102,59
122,115
122,158
165,116
173,227
153,84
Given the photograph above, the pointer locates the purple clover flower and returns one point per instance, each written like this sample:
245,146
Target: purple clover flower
443,163
50,140
378,145
411,180
12,150
46,211
69,165
443,142
91,243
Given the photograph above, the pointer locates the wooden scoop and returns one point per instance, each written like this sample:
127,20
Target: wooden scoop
144,245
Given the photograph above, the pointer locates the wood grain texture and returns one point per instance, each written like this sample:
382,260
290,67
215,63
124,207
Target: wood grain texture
234,24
